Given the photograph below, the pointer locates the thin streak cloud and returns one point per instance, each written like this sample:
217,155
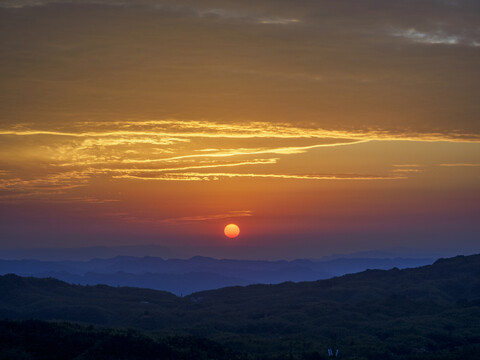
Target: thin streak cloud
460,165
209,217
175,130
214,165
177,9
438,37
282,150
196,176
134,150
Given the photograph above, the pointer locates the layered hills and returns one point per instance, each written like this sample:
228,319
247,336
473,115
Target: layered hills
185,276
430,312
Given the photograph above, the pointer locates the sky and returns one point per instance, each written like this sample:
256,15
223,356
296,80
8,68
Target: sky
318,127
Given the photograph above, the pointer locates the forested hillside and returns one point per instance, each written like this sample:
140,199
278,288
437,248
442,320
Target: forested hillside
33,339
432,312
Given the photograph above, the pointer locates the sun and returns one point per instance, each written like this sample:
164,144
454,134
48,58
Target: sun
231,231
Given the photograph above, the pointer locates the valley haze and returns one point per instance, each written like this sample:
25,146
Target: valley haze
184,276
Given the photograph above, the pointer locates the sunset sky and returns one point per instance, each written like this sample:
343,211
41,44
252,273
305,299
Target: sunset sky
318,127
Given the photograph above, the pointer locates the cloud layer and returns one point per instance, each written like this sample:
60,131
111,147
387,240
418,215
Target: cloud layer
317,120
39,161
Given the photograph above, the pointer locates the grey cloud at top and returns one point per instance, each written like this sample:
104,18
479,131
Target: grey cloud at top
433,17
176,8
335,64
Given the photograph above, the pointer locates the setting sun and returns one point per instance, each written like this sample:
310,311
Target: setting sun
341,135
231,231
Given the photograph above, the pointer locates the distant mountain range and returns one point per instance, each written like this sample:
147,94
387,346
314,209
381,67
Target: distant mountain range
430,312
183,277
244,252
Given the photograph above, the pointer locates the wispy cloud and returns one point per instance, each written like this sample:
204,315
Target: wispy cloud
460,165
407,168
178,9
174,150
143,219
14,187
209,217
434,37
244,15
190,167
170,131
287,150
199,176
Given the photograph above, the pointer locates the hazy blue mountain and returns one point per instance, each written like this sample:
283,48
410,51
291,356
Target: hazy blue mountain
399,252
184,276
342,266
179,284
445,281
85,253
144,250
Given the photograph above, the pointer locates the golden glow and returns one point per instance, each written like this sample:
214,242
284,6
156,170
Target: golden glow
236,111
180,128
231,231
169,150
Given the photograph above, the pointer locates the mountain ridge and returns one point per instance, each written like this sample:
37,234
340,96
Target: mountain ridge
430,312
210,273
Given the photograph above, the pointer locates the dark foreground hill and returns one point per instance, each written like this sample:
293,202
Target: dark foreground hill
432,312
33,339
